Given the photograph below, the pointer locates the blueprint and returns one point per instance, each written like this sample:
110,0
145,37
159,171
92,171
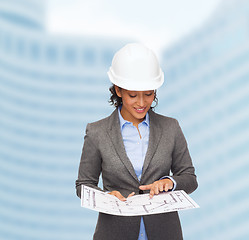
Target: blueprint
136,205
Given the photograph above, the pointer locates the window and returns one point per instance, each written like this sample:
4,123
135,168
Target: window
89,57
35,51
51,53
70,55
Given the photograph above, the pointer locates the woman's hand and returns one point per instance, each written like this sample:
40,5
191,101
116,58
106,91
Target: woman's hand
158,186
120,196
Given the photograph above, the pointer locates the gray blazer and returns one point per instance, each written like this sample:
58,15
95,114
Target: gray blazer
104,152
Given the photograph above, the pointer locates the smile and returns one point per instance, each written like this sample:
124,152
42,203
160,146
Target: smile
140,110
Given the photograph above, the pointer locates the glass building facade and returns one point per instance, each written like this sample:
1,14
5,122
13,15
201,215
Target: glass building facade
51,86
207,90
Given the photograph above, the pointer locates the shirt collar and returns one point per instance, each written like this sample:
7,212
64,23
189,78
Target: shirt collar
123,122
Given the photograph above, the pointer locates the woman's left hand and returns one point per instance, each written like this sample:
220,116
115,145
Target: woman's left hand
158,186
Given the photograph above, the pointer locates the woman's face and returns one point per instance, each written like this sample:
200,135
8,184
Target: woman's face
135,104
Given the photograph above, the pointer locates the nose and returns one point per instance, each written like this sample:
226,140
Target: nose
141,101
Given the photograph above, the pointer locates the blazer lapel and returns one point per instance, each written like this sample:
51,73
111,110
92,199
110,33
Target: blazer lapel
116,137
154,139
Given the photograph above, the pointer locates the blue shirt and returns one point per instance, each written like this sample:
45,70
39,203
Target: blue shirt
136,149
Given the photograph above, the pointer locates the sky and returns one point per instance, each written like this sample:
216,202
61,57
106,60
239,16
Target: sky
157,23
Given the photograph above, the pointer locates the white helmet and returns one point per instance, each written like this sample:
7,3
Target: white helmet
135,67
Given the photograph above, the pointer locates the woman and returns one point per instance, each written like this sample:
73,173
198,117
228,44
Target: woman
135,149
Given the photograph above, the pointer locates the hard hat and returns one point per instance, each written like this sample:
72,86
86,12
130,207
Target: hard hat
135,67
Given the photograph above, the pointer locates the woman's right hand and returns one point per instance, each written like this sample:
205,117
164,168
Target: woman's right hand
120,196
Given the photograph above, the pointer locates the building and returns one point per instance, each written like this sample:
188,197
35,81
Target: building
207,90
50,87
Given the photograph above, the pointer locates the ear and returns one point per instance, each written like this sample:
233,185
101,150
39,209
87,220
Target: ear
118,91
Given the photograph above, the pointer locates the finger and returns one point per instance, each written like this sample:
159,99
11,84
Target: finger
168,184
131,194
145,187
152,193
166,187
156,190
118,195
160,186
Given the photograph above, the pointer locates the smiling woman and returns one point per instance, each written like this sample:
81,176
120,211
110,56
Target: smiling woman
136,149
135,104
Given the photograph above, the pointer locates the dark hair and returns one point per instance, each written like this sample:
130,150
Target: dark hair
116,101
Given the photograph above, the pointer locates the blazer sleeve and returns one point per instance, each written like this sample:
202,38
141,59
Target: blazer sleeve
182,167
90,163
